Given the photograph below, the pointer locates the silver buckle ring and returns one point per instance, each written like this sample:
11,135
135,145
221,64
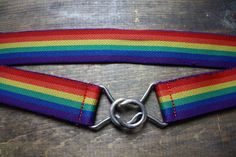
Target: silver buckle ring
138,119
115,118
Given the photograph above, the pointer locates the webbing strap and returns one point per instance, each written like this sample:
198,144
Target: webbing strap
195,95
62,98
134,46
76,101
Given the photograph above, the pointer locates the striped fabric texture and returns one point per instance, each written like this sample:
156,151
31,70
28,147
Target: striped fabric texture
111,45
77,102
196,95
61,98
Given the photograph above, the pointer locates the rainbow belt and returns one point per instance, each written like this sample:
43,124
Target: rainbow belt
77,101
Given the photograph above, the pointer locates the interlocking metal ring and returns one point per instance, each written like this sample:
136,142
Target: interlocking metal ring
135,121
119,122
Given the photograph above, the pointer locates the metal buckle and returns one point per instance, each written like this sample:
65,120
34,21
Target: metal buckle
136,121
151,118
116,119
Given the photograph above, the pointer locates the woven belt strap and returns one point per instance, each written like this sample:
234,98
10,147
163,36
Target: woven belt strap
76,101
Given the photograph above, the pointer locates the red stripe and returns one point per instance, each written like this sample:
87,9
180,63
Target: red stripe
66,89
117,37
202,80
50,79
195,85
136,34
115,31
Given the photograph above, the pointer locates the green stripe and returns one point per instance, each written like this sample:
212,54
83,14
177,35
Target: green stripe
117,47
48,98
198,97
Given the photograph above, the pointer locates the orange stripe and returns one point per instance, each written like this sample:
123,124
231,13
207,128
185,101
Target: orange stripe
197,78
118,36
48,78
195,85
67,89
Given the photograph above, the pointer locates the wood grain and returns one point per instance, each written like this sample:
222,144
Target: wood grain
25,134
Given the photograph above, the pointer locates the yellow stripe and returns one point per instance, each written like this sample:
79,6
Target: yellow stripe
48,91
198,91
118,42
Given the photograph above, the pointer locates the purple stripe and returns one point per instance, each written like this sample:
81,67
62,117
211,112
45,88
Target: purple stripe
204,107
112,59
47,111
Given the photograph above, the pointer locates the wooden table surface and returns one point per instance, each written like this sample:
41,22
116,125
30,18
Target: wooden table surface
25,134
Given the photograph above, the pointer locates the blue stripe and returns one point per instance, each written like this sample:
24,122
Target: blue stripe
200,107
39,109
38,102
176,55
